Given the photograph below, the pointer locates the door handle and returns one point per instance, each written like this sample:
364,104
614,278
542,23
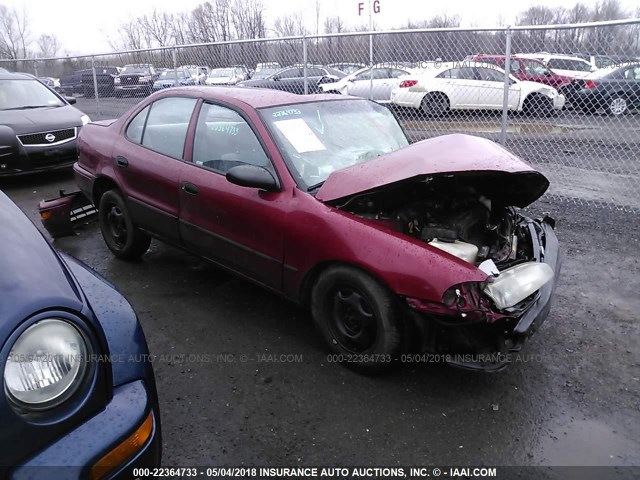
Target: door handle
189,188
121,161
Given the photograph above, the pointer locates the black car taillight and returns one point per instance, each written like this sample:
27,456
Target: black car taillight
590,84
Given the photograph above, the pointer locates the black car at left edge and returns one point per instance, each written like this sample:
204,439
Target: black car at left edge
79,398
38,127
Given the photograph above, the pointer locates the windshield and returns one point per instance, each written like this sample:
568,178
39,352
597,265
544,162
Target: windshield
319,138
169,74
135,69
264,73
221,73
19,94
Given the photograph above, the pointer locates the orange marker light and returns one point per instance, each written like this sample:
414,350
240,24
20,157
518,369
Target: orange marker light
45,215
123,451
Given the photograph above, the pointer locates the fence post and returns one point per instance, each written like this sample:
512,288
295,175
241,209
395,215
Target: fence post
507,83
35,68
370,52
304,61
95,85
174,59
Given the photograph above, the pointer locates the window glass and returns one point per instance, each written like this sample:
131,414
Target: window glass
395,73
366,75
16,94
569,64
291,73
319,138
224,140
380,73
136,126
315,72
515,66
167,125
490,75
534,68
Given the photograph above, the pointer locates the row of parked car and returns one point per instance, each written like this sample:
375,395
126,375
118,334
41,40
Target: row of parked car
539,84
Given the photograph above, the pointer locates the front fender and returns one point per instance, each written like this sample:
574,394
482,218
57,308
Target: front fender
319,234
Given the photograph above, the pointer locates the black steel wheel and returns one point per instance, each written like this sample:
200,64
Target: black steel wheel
120,234
358,318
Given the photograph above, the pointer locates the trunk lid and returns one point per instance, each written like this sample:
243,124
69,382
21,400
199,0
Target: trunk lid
512,180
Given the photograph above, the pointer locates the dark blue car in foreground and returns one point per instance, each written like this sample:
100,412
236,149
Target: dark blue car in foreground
79,398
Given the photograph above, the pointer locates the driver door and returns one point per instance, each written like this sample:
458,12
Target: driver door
240,228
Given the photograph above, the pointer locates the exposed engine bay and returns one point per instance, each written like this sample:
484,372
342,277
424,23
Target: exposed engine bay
452,214
471,217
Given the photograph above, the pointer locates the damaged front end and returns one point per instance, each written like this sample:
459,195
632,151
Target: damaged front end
470,217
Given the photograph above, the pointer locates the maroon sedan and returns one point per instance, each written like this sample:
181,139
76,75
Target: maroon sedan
531,70
396,248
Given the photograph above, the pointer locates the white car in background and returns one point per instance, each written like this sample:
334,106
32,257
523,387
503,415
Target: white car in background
198,73
563,64
458,86
360,84
225,76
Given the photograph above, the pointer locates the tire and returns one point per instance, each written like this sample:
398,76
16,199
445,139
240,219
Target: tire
617,105
118,231
538,105
435,104
358,317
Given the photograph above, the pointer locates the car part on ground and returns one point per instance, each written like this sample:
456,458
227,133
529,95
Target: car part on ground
60,216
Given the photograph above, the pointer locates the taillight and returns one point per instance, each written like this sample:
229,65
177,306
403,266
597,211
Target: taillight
589,84
407,83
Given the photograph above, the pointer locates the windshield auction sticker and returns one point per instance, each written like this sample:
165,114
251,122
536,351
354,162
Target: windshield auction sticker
300,135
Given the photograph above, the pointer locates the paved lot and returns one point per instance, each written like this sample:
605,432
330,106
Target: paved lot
572,399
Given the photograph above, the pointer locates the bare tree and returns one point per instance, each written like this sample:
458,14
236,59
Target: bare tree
291,25
15,37
48,46
247,19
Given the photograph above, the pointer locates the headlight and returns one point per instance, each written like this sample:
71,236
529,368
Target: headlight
85,119
144,78
516,283
46,364
116,81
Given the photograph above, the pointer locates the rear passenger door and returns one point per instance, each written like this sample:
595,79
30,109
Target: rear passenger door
238,227
148,164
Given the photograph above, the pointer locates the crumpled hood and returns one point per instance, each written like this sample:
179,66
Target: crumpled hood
41,119
516,182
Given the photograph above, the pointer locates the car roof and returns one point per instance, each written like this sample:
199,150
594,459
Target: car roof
255,97
6,75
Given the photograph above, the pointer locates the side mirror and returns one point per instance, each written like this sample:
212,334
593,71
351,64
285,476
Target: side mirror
70,100
547,73
276,78
253,176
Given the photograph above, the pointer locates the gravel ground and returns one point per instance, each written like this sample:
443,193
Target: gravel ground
571,399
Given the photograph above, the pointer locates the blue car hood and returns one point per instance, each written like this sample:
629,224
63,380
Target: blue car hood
32,276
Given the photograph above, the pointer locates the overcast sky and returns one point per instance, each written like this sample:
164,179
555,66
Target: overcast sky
83,31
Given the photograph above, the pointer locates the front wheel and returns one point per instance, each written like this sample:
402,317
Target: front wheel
358,317
120,234
617,105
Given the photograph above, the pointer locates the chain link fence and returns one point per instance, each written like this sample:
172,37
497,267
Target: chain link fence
563,97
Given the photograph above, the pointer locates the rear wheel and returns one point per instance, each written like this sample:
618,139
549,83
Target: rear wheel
435,104
617,105
120,234
358,317
538,105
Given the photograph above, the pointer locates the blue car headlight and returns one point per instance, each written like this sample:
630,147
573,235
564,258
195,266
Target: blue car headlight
46,364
